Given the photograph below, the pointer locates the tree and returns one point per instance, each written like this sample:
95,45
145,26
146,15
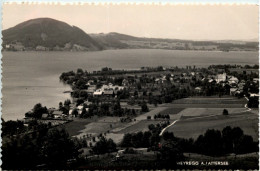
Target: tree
236,133
210,143
67,102
60,106
133,112
151,127
144,107
170,154
137,139
84,112
38,110
146,139
253,102
227,139
245,144
80,71
80,101
168,136
225,112
75,112
104,146
127,140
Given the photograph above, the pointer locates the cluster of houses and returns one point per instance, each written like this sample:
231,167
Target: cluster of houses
159,81
16,46
236,85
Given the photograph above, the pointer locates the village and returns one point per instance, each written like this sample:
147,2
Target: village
104,92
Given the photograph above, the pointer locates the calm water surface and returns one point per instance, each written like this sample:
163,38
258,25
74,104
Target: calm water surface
33,77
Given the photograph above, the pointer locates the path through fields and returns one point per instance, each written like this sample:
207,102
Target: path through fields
167,127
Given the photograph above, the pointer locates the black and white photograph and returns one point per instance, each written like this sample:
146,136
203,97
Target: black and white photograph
119,86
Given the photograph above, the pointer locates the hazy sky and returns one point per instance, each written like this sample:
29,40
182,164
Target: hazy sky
200,22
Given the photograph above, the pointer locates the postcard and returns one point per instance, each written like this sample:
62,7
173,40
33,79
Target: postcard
130,86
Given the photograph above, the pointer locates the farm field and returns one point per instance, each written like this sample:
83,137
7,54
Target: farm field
189,112
140,126
101,126
210,105
205,113
89,126
210,100
171,111
194,116
150,113
193,127
76,126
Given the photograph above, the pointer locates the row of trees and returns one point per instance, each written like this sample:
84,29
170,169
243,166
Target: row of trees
229,140
212,143
105,109
161,116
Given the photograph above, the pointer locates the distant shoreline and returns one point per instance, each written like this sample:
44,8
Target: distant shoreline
131,49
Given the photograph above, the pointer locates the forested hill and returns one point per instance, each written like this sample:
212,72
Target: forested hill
47,33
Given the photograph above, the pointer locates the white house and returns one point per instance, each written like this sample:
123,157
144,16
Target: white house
233,80
98,92
255,80
198,89
80,107
253,95
221,77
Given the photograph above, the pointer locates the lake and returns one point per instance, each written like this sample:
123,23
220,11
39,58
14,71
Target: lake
33,77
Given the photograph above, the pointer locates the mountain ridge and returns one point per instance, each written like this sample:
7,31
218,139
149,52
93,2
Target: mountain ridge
131,42
50,34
